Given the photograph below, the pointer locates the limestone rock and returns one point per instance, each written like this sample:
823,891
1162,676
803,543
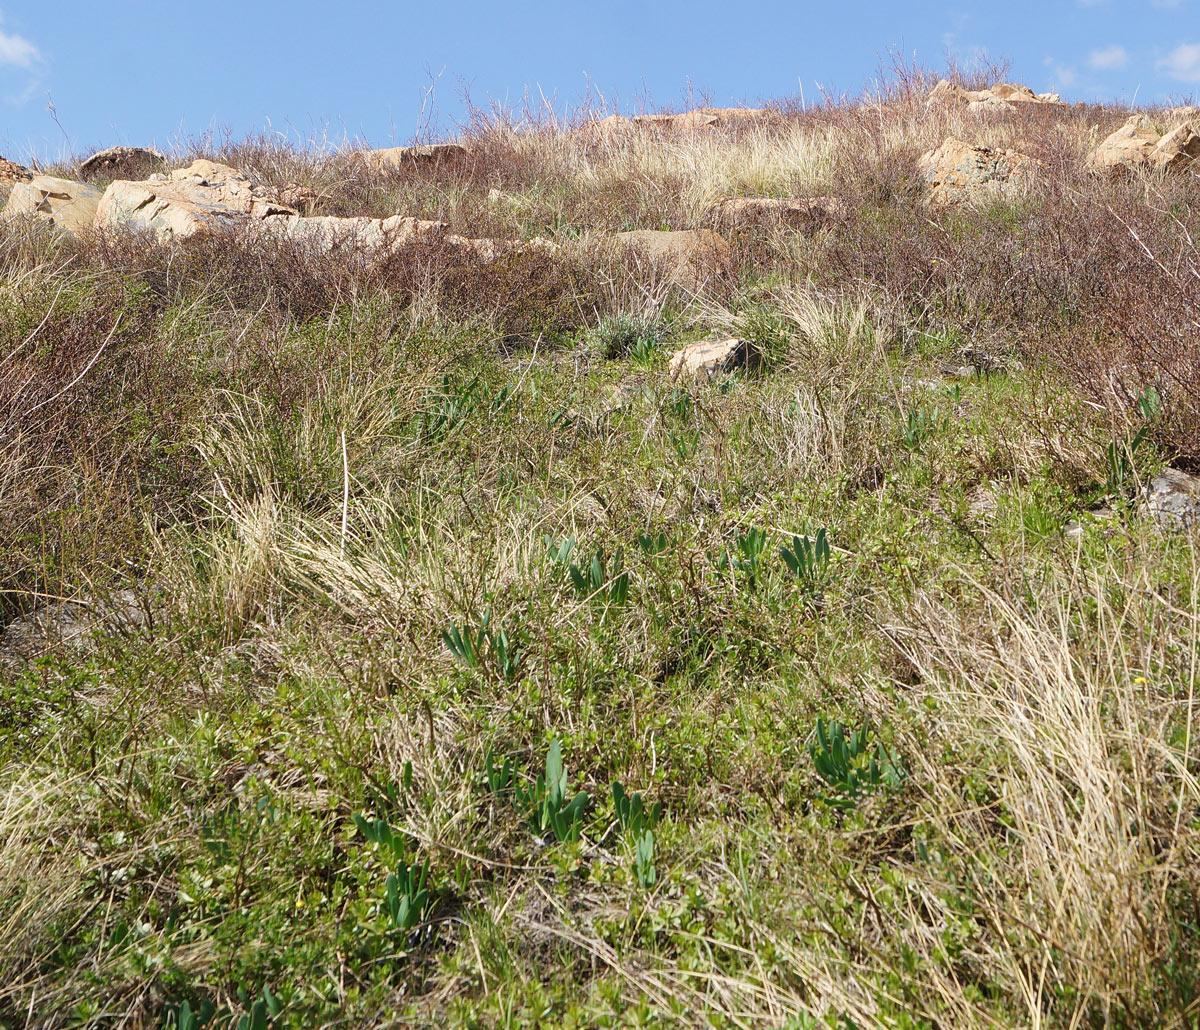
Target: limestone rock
616,125
205,195
691,257
488,251
1178,148
958,171
803,214
1139,145
604,130
1173,499
302,198
687,121
122,163
701,118
65,204
10,174
376,235
1003,96
69,623
1129,147
435,155
711,357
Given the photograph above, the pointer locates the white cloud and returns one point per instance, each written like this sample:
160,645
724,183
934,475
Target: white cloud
1182,63
18,51
22,66
1108,58
1064,74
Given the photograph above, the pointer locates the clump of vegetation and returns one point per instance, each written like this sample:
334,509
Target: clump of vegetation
628,336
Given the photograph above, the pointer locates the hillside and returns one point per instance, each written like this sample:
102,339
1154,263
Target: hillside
733,568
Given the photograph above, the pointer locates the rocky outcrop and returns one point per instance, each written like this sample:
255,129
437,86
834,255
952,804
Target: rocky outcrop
374,235
377,237
205,195
957,171
806,215
1004,96
1173,499
701,118
435,155
302,198
122,163
11,173
691,257
67,205
711,356
1139,145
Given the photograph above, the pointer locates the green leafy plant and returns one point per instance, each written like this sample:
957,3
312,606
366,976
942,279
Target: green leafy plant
185,1019
808,558
643,859
594,578
262,1013
448,408
679,403
407,897
1119,455
632,814
684,443
745,555
407,894
846,762
547,800
499,778
628,336
475,648
653,546
920,426
380,833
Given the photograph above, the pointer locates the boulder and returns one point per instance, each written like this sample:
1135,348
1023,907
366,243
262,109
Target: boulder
1004,96
711,357
1178,148
122,163
376,237
65,204
205,195
691,257
435,155
327,233
487,251
807,214
1129,147
958,171
1138,144
10,174
1172,498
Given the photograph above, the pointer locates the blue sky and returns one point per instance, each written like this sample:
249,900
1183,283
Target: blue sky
134,71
